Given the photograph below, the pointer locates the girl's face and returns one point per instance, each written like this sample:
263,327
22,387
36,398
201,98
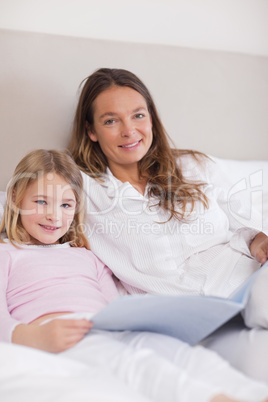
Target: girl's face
122,126
47,209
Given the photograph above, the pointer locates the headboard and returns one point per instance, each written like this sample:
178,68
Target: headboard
215,102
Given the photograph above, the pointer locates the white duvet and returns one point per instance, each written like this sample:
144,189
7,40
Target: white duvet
121,366
31,375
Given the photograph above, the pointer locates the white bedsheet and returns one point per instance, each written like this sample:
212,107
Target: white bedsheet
112,366
28,375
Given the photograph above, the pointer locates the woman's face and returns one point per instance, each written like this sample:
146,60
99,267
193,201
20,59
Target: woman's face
122,126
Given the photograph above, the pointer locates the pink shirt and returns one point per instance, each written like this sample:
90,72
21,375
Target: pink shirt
38,280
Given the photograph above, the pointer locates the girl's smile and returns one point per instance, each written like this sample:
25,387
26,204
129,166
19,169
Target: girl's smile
49,228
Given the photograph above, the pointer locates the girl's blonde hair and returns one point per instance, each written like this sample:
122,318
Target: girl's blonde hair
159,166
38,162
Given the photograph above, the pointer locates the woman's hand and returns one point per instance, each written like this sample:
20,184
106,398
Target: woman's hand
259,247
55,336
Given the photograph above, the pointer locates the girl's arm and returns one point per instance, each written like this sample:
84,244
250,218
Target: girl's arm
7,322
106,282
55,336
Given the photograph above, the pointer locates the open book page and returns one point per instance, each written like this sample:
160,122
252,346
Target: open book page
189,318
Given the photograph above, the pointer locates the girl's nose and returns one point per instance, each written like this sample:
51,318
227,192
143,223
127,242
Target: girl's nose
53,218
53,214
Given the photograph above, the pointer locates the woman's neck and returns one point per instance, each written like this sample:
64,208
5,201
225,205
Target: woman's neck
130,174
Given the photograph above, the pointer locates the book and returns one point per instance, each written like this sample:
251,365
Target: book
186,317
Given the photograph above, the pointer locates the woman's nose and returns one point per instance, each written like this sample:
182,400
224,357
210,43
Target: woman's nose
127,129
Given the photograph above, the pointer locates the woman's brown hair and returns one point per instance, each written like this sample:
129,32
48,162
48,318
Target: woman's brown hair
159,166
28,170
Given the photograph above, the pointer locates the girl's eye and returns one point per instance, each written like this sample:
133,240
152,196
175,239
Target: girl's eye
66,205
41,202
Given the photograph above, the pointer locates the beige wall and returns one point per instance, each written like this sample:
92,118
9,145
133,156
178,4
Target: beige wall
212,101
229,25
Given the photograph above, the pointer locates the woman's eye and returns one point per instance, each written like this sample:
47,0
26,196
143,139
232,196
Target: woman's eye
109,122
139,115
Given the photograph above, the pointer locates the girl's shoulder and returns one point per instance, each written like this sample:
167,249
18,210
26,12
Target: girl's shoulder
88,255
7,246
83,251
7,253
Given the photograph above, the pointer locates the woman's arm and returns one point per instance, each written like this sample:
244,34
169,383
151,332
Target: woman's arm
55,336
259,247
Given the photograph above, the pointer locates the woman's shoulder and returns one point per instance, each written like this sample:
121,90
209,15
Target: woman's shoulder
207,168
194,165
91,181
90,177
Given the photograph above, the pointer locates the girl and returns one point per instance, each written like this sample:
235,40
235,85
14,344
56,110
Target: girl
48,276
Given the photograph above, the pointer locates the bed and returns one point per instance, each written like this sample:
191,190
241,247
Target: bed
32,375
214,102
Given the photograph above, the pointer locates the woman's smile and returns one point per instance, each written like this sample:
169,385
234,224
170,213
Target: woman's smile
131,145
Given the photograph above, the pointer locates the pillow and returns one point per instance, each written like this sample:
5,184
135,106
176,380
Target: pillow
248,185
2,203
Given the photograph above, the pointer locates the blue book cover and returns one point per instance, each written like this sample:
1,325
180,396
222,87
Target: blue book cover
186,317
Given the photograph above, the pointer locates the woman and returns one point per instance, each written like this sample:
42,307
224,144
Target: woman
161,213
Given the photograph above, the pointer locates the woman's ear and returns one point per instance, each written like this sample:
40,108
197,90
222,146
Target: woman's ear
90,133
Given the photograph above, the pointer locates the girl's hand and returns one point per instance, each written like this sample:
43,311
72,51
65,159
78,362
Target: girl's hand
223,398
55,336
259,247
